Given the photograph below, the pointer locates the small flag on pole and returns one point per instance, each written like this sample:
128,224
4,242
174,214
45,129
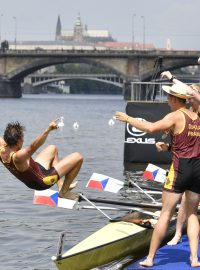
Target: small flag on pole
155,173
50,197
103,182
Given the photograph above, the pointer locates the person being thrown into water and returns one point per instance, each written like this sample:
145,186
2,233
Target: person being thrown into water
46,169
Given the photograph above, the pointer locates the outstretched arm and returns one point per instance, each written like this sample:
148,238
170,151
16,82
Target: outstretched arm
164,124
27,152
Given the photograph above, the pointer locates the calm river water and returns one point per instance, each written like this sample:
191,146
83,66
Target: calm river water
30,233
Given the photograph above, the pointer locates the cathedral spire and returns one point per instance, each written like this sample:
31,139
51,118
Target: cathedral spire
58,29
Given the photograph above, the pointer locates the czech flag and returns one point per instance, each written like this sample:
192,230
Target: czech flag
103,182
50,197
155,173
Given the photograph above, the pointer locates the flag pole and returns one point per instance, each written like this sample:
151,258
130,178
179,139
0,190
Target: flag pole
137,186
86,199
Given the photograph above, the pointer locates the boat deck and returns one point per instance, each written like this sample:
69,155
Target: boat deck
169,258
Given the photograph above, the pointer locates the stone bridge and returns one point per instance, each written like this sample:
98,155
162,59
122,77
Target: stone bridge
131,65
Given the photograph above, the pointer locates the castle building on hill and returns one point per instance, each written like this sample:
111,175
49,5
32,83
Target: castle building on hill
81,33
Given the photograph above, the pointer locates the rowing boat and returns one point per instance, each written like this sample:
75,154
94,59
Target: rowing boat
112,242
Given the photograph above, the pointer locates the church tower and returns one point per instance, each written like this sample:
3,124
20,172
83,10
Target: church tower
78,29
58,29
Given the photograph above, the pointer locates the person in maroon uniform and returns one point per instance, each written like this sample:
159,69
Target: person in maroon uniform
184,175
46,169
162,146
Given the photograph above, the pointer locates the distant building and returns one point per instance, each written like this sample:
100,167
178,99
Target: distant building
127,45
81,33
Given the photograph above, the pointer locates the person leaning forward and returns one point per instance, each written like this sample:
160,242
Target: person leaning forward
46,169
184,174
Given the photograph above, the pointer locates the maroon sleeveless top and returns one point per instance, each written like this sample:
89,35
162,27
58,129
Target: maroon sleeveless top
187,143
32,177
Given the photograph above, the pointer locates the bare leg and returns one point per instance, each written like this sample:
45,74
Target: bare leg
69,168
169,200
192,202
48,158
179,224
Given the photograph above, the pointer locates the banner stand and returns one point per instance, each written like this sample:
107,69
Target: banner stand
139,146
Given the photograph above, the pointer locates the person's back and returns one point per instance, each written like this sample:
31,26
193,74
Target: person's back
185,144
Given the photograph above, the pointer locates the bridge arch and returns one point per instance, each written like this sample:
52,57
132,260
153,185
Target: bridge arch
133,65
114,80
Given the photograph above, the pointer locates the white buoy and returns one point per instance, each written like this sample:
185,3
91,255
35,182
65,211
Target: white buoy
75,125
61,123
111,122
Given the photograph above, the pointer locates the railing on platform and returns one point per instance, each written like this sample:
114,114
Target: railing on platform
148,91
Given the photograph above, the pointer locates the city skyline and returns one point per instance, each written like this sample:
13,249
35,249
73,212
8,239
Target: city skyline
147,21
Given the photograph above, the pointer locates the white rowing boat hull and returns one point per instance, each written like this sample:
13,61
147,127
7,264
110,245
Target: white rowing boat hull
112,242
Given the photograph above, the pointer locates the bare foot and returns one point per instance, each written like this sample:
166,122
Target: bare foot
73,185
194,262
175,240
147,262
69,195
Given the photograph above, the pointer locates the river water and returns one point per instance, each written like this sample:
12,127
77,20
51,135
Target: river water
30,233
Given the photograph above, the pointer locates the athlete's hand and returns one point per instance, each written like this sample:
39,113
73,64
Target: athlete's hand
53,125
161,146
166,74
121,116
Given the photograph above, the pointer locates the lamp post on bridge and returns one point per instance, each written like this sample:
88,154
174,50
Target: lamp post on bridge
143,18
1,26
133,31
15,20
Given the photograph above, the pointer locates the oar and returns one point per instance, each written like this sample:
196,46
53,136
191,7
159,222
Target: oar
104,207
136,209
129,204
114,220
152,192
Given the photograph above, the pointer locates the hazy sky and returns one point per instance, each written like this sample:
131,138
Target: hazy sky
178,20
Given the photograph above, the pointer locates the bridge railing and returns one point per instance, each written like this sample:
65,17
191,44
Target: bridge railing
148,91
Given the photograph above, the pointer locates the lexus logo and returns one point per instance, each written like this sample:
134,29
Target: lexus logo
134,131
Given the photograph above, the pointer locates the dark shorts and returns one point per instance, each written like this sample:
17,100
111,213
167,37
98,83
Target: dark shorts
50,176
185,175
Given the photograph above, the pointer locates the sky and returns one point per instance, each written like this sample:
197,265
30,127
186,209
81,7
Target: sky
154,21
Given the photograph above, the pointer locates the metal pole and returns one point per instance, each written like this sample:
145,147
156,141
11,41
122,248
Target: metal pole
86,199
1,26
143,18
15,19
133,31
